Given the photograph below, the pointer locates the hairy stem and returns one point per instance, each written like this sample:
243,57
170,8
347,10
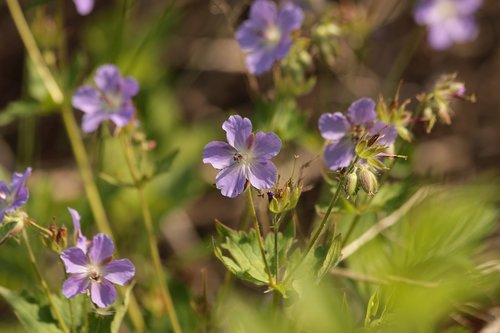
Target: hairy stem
259,238
43,283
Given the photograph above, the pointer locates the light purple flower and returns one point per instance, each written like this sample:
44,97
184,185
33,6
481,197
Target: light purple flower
343,132
13,198
110,99
246,156
91,268
84,7
266,35
448,21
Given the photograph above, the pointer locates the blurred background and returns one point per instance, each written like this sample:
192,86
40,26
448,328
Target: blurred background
193,76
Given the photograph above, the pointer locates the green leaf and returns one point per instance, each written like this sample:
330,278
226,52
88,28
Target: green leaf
29,312
163,164
5,230
22,109
243,257
327,256
372,308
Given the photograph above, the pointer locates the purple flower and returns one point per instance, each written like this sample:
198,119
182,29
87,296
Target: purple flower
246,156
91,268
448,21
84,7
266,35
110,99
343,132
13,198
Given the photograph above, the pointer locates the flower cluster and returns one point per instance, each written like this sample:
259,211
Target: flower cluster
91,268
448,21
245,157
110,99
344,132
266,35
13,198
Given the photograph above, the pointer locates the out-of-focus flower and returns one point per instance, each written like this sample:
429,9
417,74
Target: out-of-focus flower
266,35
448,21
438,103
343,132
246,156
91,268
13,198
111,99
84,7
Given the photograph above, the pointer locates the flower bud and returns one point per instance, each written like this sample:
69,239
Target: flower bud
368,180
351,183
57,240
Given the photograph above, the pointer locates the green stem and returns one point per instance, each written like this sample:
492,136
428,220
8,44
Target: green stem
322,225
73,131
259,238
33,51
43,283
350,230
153,244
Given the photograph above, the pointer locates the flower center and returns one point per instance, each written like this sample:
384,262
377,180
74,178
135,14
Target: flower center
272,36
94,273
113,102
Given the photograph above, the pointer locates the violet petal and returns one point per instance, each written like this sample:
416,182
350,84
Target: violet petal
219,154
75,284
119,271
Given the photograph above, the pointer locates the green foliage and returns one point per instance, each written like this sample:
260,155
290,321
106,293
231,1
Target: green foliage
327,256
239,251
244,259
31,312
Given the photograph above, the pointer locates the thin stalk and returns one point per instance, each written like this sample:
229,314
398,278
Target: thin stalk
43,283
33,51
276,295
322,225
73,131
332,203
351,229
153,244
39,227
259,238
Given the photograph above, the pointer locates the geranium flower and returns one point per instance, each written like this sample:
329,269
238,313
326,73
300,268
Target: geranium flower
266,35
110,99
448,21
84,7
13,198
344,132
91,268
245,156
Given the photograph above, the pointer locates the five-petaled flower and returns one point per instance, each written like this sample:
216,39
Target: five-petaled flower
343,132
13,198
266,35
91,268
246,156
84,7
448,21
110,99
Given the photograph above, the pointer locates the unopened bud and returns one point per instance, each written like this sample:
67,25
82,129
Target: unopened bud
368,180
57,240
351,183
